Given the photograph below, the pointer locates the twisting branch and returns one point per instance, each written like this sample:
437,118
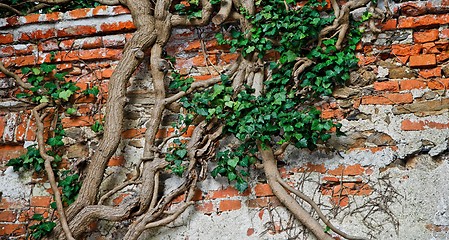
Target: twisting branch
11,9
15,76
50,174
318,210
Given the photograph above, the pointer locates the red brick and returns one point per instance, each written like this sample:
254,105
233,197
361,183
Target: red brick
118,27
425,60
79,13
19,61
107,73
351,170
7,216
438,84
389,25
403,60
38,35
387,99
412,9
206,207
229,205
120,10
2,126
430,73
310,167
436,125
332,114
263,202
98,10
365,60
226,193
116,161
80,121
134,133
442,57
263,190
200,61
249,232
6,38
423,21
392,86
53,16
426,36
412,84
12,229
229,57
8,152
341,201
40,201
119,199
405,49
408,125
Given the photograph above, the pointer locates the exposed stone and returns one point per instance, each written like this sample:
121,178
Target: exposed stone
136,143
77,151
430,95
401,72
363,77
345,92
382,72
423,108
380,139
445,69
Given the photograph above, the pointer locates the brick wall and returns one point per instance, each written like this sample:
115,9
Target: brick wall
393,111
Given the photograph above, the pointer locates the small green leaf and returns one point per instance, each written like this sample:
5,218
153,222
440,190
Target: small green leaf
36,71
71,111
233,162
65,95
232,176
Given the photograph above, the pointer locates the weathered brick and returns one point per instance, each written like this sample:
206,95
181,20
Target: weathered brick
6,38
37,35
80,121
116,161
438,84
430,73
263,202
390,24
405,49
392,86
426,36
365,60
423,21
341,201
206,207
226,193
263,190
229,205
7,216
117,27
79,13
387,99
8,152
408,125
332,114
412,84
40,201
425,60
134,133
12,229
351,170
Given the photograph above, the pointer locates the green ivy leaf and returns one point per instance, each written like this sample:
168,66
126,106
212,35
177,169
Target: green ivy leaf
233,162
65,94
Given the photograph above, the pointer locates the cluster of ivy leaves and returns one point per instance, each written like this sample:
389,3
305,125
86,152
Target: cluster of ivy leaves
283,113
51,86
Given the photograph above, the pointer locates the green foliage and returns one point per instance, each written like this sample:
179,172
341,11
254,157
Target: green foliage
193,8
70,184
177,157
97,127
49,86
31,160
41,229
283,112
